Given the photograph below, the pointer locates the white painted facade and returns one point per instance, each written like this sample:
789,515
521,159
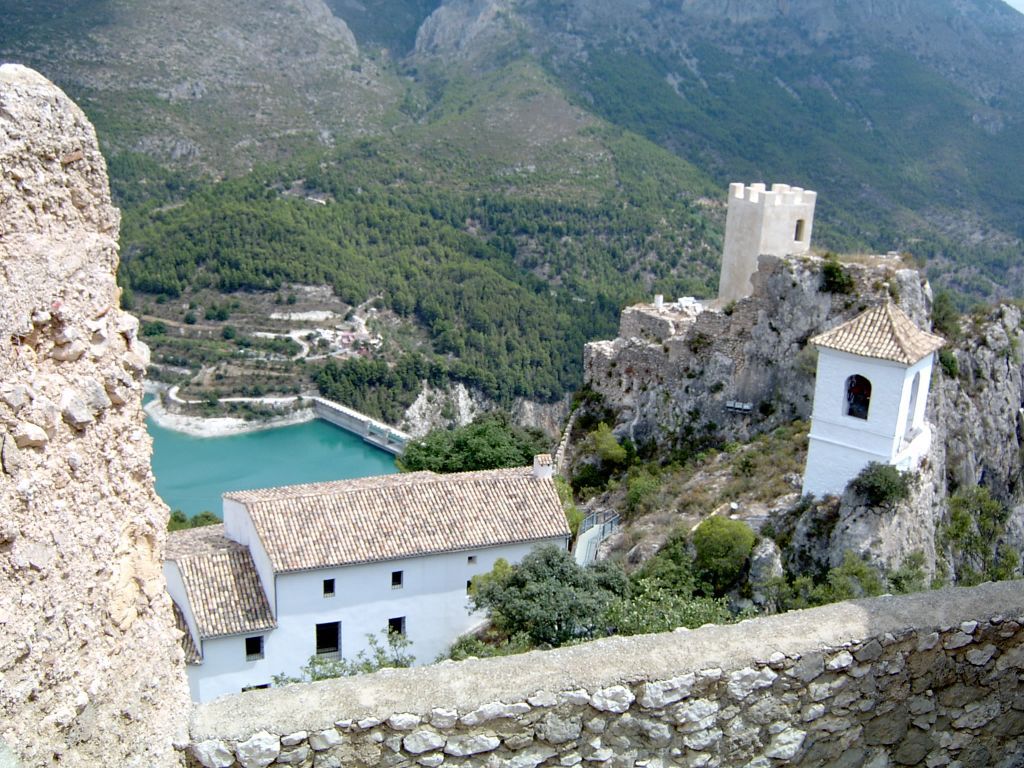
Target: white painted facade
775,222
432,600
895,431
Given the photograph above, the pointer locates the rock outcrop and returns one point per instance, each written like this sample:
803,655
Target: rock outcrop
683,373
90,669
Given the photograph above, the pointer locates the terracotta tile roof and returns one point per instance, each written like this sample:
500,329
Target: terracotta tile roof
192,655
884,332
385,518
220,578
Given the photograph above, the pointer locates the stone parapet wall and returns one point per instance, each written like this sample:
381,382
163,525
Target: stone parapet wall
928,679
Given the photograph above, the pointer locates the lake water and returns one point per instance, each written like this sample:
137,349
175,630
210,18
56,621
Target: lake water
193,472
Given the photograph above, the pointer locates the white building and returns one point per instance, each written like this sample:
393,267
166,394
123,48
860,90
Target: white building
869,398
309,570
774,222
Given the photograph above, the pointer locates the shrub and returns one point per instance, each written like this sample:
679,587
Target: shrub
547,596
393,652
606,446
945,316
640,487
722,548
190,318
154,328
949,363
882,485
834,278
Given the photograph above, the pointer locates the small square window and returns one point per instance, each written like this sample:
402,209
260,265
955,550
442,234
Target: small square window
254,648
471,560
396,579
328,587
328,639
396,626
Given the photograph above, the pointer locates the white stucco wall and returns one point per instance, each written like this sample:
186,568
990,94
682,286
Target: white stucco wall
432,599
840,446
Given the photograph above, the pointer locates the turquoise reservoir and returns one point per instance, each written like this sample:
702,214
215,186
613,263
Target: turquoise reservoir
193,472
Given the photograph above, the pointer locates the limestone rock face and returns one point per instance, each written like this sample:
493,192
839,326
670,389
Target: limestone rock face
91,669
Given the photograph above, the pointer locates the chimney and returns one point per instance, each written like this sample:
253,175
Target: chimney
543,466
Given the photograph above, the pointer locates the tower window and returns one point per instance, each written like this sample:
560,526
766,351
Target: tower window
858,396
798,235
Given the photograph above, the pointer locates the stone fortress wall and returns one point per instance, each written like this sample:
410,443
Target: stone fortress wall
91,672
931,679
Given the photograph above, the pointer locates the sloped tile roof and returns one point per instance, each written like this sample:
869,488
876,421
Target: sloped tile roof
406,515
884,332
220,579
192,655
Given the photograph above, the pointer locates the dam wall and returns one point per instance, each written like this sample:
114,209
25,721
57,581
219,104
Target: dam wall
375,432
928,679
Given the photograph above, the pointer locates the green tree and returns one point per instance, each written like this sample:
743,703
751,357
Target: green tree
976,524
492,441
606,446
547,596
180,521
722,548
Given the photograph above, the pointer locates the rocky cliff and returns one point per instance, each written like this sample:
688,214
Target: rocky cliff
688,373
89,662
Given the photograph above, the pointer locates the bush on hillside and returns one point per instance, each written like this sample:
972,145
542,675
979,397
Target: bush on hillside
882,485
722,548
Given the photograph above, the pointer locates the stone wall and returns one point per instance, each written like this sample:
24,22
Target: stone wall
672,388
90,669
929,679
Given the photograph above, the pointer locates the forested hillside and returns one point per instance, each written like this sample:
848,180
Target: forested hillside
498,177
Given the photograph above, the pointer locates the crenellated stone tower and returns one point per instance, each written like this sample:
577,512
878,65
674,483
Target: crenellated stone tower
774,222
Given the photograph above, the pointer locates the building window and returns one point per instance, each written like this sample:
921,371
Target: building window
858,397
469,586
255,687
396,626
798,235
328,587
254,648
471,560
328,639
396,579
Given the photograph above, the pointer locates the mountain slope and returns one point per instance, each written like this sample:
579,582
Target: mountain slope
907,115
201,83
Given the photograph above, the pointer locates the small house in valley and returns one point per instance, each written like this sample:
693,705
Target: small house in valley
311,570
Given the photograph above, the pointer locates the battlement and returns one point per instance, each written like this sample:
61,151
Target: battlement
779,194
762,221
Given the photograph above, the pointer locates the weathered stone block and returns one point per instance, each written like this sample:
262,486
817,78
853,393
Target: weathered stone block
258,751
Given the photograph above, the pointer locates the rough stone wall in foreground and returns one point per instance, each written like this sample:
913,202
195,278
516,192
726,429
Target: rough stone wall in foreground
932,679
90,670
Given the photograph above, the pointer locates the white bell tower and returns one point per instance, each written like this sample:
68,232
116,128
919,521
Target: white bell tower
869,398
